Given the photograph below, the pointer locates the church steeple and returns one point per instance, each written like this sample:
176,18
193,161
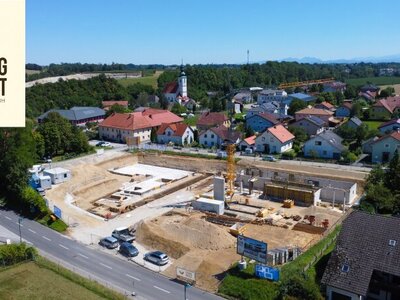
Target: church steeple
182,81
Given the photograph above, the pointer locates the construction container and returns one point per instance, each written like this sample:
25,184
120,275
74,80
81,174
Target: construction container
238,228
288,203
304,194
210,205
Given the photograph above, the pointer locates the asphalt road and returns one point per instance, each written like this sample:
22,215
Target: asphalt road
122,274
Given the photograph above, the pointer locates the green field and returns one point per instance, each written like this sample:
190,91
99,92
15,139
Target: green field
373,124
149,80
375,80
30,281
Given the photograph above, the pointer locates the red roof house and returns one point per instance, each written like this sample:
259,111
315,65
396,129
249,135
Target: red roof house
212,119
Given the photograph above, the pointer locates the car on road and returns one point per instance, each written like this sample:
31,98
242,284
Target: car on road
128,249
123,234
99,144
109,242
157,257
106,144
269,158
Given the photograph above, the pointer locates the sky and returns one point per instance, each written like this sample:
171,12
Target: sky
208,31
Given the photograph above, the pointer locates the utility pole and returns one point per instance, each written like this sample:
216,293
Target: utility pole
248,56
186,285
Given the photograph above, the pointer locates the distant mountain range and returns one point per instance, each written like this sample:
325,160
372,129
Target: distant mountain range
371,59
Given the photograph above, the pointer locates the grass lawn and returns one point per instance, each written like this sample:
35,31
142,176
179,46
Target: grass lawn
149,80
375,80
57,225
30,281
373,124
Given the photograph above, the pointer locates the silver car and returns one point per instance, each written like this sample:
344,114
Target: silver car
157,257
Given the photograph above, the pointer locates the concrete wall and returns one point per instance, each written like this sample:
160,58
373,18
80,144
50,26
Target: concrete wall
329,187
219,188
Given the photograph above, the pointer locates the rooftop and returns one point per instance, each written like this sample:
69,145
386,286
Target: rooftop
212,119
315,111
178,128
363,246
281,133
76,113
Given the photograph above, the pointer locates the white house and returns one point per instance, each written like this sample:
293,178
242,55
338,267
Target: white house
383,148
179,134
324,145
269,95
216,136
276,139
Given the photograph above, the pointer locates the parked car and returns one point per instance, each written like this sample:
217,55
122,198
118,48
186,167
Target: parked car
157,257
128,249
123,234
109,242
99,144
106,144
269,158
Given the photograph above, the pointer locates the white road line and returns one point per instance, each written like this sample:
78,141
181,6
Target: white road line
19,224
62,246
8,218
31,230
158,288
46,238
84,256
130,276
108,267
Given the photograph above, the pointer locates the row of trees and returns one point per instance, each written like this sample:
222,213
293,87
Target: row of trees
383,188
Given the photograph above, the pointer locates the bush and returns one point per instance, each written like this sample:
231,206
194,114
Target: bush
289,154
34,202
15,253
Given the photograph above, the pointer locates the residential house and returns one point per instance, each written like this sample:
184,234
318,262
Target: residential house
271,95
212,119
325,105
367,145
383,149
177,91
392,125
336,86
244,96
312,125
235,105
276,139
327,144
78,115
300,96
273,107
369,88
353,123
119,127
153,99
323,114
107,104
344,110
217,136
177,133
261,121
384,109
369,96
248,143
365,263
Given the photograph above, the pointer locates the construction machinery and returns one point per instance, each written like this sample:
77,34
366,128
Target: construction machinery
230,160
305,83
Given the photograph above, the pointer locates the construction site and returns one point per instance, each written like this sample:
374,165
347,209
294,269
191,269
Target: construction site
192,208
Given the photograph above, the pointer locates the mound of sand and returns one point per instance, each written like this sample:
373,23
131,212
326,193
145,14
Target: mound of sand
177,234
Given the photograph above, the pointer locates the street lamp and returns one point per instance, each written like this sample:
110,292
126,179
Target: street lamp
187,285
19,225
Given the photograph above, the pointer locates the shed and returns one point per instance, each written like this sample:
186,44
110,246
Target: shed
210,205
45,182
58,175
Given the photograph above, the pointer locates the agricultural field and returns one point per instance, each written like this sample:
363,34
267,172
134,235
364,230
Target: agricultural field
30,72
149,80
30,281
374,80
395,86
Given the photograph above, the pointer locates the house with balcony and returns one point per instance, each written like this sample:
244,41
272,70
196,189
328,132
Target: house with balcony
217,136
176,133
276,139
311,125
327,144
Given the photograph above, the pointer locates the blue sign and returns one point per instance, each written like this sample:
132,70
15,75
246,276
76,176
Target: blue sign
266,272
252,249
57,212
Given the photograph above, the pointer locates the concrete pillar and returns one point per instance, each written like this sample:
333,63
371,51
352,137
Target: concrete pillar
219,188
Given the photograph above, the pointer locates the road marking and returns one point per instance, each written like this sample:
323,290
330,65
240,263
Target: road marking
46,238
19,224
130,276
158,288
8,218
84,256
108,267
62,246
31,230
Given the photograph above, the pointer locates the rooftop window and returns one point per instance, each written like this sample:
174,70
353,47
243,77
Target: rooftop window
345,268
392,243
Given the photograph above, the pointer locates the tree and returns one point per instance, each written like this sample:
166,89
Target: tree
295,106
381,198
117,108
153,135
178,109
350,92
392,177
40,144
389,91
356,110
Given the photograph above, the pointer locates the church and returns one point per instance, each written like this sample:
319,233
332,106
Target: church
176,92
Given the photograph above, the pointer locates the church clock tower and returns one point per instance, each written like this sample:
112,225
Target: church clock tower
182,81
